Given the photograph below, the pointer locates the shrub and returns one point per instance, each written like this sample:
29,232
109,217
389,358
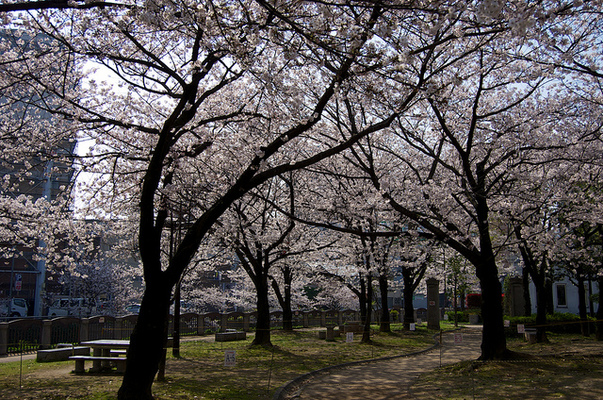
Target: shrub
474,300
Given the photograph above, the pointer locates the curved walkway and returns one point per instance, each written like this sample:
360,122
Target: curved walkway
381,379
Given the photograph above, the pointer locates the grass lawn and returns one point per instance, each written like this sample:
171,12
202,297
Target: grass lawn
569,367
200,372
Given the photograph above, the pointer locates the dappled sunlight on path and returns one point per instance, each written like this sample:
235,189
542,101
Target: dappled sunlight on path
386,379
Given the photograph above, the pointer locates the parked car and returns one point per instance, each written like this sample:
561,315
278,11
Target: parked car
15,307
133,309
78,307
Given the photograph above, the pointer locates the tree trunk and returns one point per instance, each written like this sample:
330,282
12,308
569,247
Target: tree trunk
362,301
284,299
409,310
147,343
385,320
584,328
526,293
176,334
366,332
286,305
550,305
494,344
541,299
600,310
262,331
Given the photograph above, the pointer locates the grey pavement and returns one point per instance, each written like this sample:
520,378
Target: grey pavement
383,379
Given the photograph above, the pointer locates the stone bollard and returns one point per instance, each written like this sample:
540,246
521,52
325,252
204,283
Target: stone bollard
46,334
246,321
330,334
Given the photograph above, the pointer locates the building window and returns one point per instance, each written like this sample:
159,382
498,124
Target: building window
561,297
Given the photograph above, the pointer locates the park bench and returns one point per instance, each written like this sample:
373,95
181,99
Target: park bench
104,362
62,353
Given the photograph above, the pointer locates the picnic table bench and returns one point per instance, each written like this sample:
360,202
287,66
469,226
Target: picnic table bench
100,363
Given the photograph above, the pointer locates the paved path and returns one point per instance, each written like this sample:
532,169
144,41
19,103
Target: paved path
386,379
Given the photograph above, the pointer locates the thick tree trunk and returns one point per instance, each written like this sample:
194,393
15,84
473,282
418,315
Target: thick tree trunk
385,320
494,344
147,343
262,331
550,305
409,310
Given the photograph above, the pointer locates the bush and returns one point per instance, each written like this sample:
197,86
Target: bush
462,316
474,300
394,315
557,323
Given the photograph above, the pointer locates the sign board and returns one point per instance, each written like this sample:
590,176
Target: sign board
349,337
458,338
431,303
413,327
507,323
521,328
230,358
101,320
18,282
446,318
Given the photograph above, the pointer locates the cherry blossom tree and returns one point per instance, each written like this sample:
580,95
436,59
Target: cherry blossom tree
174,65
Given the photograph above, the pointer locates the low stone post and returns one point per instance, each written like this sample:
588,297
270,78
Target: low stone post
330,333
323,318
3,338
433,304
246,321
46,334
305,318
223,322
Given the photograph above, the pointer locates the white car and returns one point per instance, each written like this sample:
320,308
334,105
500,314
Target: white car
15,307
77,307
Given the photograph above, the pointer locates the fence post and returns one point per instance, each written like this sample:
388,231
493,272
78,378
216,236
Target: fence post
305,318
118,332
84,329
3,338
323,318
46,334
